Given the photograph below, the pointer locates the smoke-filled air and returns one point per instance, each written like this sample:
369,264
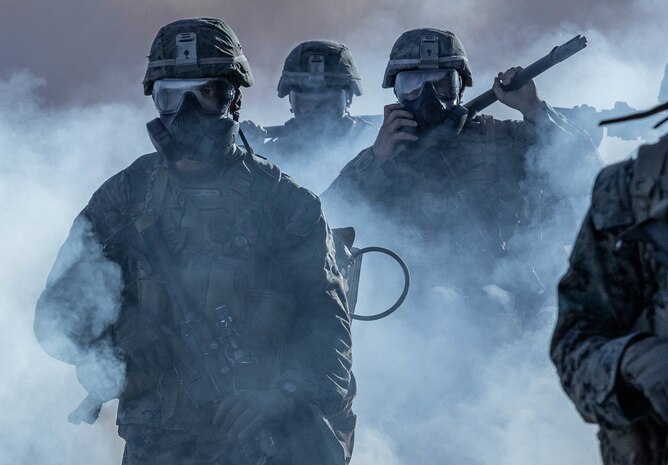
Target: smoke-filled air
446,379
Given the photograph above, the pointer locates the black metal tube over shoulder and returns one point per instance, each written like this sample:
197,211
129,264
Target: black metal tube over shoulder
557,55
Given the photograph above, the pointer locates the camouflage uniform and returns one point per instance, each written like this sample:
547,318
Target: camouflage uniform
460,197
470,182
615,293
247,240
442,177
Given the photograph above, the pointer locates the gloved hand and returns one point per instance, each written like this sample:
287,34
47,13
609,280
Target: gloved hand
388,143
525,99
245,412
644,367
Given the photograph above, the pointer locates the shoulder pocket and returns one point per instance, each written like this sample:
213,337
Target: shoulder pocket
610,203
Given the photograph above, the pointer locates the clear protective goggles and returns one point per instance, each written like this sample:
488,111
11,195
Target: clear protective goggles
446,82
215,95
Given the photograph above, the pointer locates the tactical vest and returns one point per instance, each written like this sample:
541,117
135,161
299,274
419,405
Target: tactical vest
222,249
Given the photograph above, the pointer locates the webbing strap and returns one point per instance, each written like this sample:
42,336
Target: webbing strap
155,198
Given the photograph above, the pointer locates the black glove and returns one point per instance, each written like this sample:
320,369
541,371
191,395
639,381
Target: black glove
245,412
644,368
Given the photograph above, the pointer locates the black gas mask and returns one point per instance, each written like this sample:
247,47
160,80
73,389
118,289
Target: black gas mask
433,97
194,120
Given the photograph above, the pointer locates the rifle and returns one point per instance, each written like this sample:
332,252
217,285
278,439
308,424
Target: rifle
587,117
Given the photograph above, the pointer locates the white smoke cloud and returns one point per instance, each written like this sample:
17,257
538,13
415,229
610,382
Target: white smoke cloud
52,161
435,386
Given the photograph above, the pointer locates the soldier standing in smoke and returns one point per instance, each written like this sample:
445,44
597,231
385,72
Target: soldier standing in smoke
320,79
446,179
233,323
610,345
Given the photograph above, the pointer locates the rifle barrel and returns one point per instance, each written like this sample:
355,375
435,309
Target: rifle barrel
557,55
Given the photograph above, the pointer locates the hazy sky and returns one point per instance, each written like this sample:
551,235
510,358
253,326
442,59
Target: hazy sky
96,50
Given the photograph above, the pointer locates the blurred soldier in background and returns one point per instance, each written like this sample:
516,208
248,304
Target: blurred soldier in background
233,324
610,345
320,79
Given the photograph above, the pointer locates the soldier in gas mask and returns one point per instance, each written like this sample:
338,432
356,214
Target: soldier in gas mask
233,324
320,79
447,182
428,155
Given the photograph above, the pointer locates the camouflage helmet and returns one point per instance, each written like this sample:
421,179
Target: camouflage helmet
427,48
317,63
197,48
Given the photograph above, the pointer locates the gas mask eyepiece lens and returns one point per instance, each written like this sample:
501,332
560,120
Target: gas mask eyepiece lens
215,95
409,84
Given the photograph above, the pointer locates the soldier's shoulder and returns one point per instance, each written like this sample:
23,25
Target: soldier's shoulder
611,199
297,208
293,194
285,188
305,212
361,162
144,164
120,195
119,187
264,169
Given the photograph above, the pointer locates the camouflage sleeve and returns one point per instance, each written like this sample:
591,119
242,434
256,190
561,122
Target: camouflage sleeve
363,177
550,123
81,297
600,298
319,354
